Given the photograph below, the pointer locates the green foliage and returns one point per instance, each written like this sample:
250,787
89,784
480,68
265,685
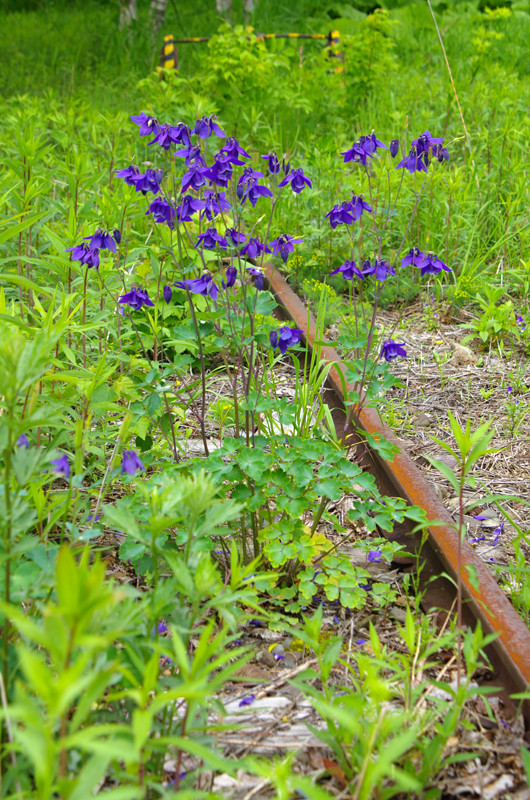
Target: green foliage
387,737
98,693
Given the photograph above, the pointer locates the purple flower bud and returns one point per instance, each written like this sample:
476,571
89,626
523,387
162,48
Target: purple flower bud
167,293
61,466
23,441
117,235
130,463
394,147
272,162
231,275
247,701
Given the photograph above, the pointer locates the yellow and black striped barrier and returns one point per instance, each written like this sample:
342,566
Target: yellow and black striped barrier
169,53
336,52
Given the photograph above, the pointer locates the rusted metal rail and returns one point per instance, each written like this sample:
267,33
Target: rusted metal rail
509,654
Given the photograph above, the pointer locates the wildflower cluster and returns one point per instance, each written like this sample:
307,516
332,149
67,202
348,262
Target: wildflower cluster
213,191
88,251
350,211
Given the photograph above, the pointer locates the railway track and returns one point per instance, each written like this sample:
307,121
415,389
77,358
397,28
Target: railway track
509,653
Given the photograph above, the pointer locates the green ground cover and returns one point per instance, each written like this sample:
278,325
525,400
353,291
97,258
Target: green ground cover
104,386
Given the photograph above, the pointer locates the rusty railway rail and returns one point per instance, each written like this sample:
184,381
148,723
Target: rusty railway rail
509,653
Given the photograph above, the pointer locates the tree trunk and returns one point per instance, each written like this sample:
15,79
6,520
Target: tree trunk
158,12
128,12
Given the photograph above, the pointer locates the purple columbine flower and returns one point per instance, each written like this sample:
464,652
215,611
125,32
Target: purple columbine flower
375,556
188,207
273,163
84,254
413,258
161,628
371,144
394,147
23,441
391,350
348,270
247,701
129,174
297,179
61,466
206,126
380,269
283,245
169,135
193,155
358,206
136,298
195,178
430,264
231,275
426,142
162,211
254,248
130,463
102,240
148,125
232,150
356,153
167,293
210,239
285,337
220,173
496,533
480,517
214,203
203,285
476,539
258,276
149,182
248,186
235,236
340,215
414,162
